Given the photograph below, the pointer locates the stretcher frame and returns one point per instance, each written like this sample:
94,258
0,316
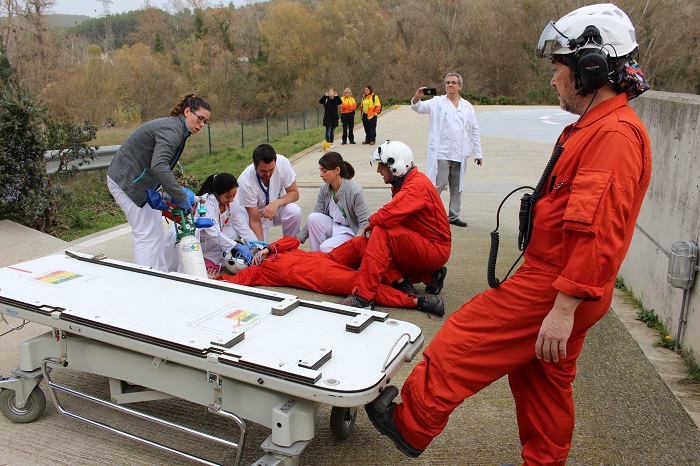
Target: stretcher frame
219,376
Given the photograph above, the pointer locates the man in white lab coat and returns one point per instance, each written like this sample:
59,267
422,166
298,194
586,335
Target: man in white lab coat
453,138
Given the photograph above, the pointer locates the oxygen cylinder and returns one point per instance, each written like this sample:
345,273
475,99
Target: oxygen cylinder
191,257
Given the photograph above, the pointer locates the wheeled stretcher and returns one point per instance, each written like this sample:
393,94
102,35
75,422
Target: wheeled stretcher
243,353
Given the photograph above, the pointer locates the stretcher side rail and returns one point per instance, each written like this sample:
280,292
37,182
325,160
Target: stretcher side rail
54,387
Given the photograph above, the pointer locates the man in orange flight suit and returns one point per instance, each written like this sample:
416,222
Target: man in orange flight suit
532,327
283,264
408,237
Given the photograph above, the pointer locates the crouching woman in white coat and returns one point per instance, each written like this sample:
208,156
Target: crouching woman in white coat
341,210
230,219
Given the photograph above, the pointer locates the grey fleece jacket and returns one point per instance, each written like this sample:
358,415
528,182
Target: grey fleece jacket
350,197
145,160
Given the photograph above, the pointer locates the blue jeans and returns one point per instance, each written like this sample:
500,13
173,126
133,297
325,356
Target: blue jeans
329,133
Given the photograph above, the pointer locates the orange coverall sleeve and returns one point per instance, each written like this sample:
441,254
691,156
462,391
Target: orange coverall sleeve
286,243
407,201
604,194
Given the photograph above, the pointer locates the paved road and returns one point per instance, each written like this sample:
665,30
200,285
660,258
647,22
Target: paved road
626,414
540,124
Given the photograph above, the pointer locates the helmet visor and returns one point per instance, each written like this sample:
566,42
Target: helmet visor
375,157
551,41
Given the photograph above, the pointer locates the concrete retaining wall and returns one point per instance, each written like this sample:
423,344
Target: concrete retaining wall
671,211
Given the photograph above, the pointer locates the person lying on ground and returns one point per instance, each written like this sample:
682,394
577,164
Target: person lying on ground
283,264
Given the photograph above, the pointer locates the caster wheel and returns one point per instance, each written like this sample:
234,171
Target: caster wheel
342,421
36,403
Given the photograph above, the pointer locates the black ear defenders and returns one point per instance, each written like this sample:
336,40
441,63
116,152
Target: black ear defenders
592,65
592,69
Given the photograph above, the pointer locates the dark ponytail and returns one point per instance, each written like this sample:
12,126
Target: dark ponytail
191,101
218,184
333,160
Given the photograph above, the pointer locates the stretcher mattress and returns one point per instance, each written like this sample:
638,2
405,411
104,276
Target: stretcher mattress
327,347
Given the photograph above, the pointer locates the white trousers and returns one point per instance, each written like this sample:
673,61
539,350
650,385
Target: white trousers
289,216
147,227
326,235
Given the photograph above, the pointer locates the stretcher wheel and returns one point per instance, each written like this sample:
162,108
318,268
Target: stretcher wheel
36,403
342,422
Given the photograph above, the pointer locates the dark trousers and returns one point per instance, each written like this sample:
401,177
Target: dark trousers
329,133
348,121
370,128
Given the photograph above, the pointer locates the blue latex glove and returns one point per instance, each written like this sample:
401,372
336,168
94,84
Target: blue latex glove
190,201
155,200
244,251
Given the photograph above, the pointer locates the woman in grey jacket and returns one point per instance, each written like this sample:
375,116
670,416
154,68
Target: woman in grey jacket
145,161
341,211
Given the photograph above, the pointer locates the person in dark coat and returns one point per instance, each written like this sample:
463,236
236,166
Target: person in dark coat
330,101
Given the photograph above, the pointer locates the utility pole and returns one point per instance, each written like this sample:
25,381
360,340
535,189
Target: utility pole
109,35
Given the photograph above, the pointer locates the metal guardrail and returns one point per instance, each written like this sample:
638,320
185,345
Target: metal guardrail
103,158
250,133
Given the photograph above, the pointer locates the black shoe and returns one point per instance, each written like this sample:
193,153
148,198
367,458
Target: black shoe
384,423
343,143
459,223
431,304
355,301
437,281
406,287
352,142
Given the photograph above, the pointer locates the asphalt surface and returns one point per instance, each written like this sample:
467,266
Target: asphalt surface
632,408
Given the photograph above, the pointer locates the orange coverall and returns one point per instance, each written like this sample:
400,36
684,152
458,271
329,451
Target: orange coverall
410,237
583,225
314,271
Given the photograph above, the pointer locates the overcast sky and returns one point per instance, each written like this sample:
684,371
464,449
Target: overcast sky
94,8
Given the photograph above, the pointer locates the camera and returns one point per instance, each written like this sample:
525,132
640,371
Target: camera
429,91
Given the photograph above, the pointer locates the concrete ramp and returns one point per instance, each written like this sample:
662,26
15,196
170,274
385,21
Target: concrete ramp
22,243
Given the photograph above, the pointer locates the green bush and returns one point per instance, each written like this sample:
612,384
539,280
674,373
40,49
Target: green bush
26,195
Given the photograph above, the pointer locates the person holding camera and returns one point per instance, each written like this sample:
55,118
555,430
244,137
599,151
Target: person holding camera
330,101
453,137
347,115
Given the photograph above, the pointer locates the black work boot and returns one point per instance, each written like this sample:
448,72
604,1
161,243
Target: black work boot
437,280
431,304
405,287
384,422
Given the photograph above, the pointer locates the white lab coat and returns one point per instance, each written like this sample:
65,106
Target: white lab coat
471,143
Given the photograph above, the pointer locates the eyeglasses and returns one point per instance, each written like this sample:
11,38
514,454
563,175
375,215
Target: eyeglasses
200,118
451,82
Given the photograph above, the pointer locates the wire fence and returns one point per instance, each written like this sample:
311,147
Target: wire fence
253,132
269,128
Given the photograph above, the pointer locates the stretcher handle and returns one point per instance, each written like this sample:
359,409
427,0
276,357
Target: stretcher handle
386,361
12,328
53,387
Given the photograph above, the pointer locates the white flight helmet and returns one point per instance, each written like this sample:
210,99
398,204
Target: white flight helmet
612,31
234,262
395,155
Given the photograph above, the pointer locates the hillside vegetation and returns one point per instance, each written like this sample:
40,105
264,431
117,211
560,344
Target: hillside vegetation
272,57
